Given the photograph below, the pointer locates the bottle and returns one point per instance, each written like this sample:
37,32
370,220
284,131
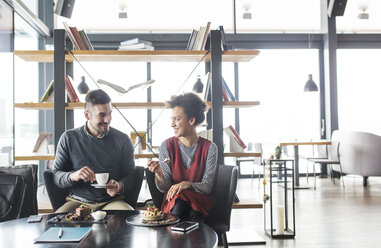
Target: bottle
82,87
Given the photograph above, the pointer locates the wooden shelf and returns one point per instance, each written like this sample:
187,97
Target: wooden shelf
240,104
128,105
137,56
32,105
242,154
142,155
34,157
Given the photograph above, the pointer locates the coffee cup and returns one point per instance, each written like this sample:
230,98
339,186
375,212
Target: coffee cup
102,178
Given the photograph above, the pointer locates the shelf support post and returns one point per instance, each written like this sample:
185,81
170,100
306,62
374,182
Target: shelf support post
216,70
59,85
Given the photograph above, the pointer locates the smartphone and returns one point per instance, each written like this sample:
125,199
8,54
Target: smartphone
185,226
34,218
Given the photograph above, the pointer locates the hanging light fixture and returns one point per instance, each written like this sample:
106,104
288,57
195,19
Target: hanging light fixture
122,12
363,14
198,86
247,13
310,85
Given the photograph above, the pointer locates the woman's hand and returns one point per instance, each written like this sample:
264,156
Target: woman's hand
113,187
177,188
154,166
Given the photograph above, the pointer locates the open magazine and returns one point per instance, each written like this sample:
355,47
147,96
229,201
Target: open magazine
123,90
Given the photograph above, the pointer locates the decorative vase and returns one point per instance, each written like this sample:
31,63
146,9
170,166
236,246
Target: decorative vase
82,87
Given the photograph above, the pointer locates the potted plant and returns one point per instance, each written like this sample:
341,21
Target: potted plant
278,152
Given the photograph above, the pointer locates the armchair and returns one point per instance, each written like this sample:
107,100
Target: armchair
223,190
57,195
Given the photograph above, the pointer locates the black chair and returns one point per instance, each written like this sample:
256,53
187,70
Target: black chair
58,195
12,192
28,172
223,190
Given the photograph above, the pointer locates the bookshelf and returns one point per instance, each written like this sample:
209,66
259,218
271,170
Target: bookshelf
62,58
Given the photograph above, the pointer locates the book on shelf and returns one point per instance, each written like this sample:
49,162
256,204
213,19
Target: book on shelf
73,97
228,91
224,94
48,95
191,39
135,41
78,38
200,34
206,134
207,86
236,143
137,46
86,39
42,142
80,41
69,234
206,34
223,39
198,38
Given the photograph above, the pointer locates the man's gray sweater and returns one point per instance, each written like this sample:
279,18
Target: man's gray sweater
113,153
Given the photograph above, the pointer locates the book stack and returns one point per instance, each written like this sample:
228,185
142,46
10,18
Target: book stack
48,95
79,38
198,38
136,44
227,94
73,97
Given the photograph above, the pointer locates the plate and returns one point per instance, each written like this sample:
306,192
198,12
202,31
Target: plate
137,220
99,185
60,219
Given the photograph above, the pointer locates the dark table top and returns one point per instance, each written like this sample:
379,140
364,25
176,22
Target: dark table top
116,233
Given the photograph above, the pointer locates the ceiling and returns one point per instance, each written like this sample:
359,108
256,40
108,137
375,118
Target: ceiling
183,16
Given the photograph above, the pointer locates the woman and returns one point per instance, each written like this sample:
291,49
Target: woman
188,162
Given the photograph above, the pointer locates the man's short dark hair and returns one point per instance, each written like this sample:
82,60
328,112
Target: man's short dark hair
95,97
192,104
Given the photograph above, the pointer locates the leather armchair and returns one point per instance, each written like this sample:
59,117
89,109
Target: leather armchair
223,190
12,191
58,195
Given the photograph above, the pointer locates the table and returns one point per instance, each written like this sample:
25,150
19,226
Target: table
296,145
116,233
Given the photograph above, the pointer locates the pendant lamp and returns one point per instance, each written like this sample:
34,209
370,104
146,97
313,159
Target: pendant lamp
310,85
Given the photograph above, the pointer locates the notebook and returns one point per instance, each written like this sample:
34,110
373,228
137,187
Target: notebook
69,234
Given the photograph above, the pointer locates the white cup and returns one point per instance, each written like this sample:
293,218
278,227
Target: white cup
102,178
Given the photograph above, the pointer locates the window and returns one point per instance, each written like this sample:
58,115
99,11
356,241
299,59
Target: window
6,93
358,87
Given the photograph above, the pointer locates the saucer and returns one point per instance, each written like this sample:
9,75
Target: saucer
96,185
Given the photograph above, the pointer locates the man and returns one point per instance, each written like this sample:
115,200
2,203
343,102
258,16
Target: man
94,148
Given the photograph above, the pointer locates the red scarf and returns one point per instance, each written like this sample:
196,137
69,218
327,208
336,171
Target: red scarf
197,201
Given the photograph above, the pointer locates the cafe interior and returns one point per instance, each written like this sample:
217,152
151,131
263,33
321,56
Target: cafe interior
291,87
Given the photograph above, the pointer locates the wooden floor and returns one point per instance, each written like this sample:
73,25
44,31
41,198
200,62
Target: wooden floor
330,216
